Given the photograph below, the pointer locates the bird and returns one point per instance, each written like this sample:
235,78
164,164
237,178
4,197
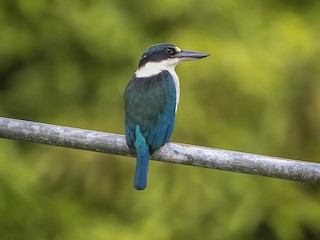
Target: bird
151,101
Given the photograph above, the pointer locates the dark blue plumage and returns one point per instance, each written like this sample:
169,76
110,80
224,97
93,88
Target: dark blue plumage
151,99
149,107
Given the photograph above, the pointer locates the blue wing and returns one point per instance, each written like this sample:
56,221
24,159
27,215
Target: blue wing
150,103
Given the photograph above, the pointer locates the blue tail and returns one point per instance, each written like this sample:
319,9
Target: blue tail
143,156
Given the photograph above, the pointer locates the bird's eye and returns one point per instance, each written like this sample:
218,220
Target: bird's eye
169,50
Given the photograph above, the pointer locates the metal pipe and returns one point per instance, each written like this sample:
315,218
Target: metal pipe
171,152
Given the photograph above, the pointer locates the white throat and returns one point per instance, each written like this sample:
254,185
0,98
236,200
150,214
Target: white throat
153,68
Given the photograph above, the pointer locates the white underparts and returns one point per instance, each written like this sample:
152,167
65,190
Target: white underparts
154,68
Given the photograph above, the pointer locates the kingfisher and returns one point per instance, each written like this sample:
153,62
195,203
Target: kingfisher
151,101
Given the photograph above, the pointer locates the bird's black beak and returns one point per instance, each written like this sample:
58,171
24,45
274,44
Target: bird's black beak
186,55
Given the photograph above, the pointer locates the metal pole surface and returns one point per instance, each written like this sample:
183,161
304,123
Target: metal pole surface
171,152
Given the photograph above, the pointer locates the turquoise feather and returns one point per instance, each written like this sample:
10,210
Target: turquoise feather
149,118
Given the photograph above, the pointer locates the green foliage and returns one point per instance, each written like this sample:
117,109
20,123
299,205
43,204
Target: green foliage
68,62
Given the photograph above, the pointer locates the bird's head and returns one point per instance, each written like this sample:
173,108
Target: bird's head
164,56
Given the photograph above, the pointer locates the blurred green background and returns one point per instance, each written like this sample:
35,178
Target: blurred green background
68,62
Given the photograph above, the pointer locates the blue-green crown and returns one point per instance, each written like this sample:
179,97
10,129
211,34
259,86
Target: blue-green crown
157,53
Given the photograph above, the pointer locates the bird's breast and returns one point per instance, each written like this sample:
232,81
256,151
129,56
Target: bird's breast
177,86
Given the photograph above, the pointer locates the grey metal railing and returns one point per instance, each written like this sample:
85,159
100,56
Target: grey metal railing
171,152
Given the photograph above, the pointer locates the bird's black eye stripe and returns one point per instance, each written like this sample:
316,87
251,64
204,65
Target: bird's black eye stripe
170,50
